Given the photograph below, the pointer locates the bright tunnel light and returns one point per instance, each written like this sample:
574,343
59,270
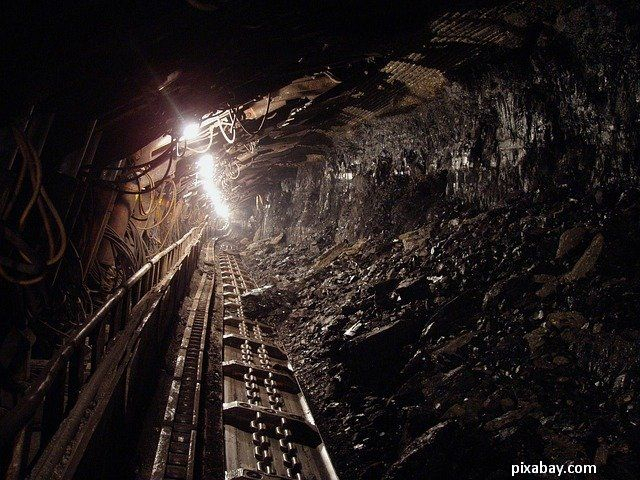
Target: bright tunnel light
205,166
222,210
206,173
219,205
190,131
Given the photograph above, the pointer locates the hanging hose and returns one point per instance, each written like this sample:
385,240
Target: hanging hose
206,149
231,139
46,209
169,209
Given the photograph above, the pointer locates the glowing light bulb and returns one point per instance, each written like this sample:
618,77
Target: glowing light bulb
209,188
205,166
219,205
222,210
190,131
206,172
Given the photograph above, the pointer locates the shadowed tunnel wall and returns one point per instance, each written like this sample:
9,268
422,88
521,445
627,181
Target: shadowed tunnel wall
560,119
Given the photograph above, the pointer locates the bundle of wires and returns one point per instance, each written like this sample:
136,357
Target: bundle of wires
133,173
154,204
132,251
74,304
209,134
31,267
127,262
104,277
133,238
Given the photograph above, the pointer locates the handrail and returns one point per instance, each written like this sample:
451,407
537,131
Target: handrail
14,420
113,312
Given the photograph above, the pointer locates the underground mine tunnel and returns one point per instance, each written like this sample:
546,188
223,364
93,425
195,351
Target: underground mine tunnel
320,240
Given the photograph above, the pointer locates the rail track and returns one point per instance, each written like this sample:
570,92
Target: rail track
176,451
269,431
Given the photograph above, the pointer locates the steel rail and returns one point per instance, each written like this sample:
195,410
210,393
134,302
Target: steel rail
176,448
65,452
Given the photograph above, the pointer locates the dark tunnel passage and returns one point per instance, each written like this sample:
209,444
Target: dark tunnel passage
306,240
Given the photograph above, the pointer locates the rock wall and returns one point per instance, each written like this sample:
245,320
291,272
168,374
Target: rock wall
480,340
489,317
558,119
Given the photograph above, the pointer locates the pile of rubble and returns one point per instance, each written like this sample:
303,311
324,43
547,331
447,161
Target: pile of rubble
480,340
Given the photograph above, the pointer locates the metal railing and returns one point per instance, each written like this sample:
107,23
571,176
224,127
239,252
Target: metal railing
53,395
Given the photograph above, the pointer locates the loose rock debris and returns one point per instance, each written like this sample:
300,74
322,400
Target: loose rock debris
480,339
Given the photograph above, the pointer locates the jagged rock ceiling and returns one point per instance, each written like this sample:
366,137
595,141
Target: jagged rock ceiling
297,73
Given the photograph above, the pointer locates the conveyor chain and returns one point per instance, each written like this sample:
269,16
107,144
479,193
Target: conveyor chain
268,427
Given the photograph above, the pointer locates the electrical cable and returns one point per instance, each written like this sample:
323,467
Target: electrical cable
120,249
266,113
232,139
59,225
166,214
153,205
206,149
35,174
178,154
169,229
140,204
143,171
141,191
18,187
47,229
34,264
83,286
234,177
46,209
134,166
136,244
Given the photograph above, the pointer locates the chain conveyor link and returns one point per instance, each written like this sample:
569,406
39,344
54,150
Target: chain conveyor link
268,427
